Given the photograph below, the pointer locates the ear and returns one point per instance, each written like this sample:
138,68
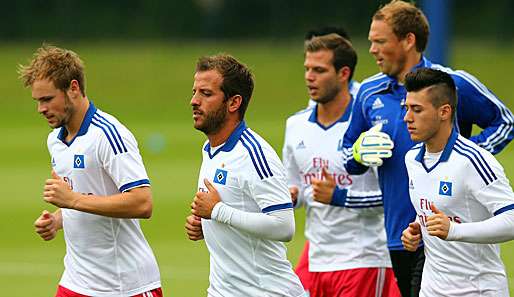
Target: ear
234,103
344,73
74,89
445,112
409,41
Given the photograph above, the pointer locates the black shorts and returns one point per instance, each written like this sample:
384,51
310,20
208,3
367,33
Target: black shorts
408,268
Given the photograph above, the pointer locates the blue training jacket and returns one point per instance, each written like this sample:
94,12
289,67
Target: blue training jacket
381,99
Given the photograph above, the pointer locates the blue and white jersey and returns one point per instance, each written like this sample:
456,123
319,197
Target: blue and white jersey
468,185
381,99
341,237
104,256
249,176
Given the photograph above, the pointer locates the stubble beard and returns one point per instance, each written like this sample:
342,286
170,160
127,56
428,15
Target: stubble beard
329,96
214,121
69,110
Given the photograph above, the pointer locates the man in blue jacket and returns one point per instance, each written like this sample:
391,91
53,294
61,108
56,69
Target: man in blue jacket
398,35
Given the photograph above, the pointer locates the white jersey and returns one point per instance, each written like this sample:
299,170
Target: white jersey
105,256
249,176
340,238
468,185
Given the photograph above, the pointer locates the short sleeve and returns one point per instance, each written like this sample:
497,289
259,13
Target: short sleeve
271,193
120,158
497,196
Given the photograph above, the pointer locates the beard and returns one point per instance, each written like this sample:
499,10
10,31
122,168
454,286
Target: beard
68,111
214,120
329,95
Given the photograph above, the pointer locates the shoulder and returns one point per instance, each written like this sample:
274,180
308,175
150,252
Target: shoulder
413,152
300,116
463,80
106,120
373,85
260,155
112,132
479,161
52,137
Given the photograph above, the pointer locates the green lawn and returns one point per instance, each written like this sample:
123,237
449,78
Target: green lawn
148,87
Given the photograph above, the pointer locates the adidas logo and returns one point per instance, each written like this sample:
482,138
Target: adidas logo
411,184
377,104
300,145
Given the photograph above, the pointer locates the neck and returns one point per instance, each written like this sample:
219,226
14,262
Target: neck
76,119
221,136
437,143
412,60
330,112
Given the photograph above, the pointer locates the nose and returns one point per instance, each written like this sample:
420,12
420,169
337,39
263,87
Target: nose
407,117
195,101
309,76
373,49
41,107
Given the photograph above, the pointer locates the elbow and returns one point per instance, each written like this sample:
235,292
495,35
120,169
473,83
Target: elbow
146,207
287,236
146,211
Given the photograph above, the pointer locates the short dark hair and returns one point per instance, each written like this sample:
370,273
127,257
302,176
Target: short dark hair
325,30
441,86
237,78
404,18
344,54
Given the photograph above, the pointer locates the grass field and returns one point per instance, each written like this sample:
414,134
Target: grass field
148,87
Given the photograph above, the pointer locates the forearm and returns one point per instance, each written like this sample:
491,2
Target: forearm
278,225
136,203
497,229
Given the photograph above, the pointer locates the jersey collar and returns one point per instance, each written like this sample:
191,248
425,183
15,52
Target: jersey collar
313,118
83,127
444,156
230,143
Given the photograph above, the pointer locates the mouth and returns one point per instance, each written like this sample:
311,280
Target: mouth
411,130
196,114
312,89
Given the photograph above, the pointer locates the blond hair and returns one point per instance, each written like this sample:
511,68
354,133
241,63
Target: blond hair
58,65
404,18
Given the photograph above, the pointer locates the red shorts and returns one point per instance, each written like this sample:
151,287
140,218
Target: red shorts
359,282
63,292
302,268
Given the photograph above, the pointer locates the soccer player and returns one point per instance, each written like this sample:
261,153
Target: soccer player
243,202
398,34
463,200
347,254
302,267
99,185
